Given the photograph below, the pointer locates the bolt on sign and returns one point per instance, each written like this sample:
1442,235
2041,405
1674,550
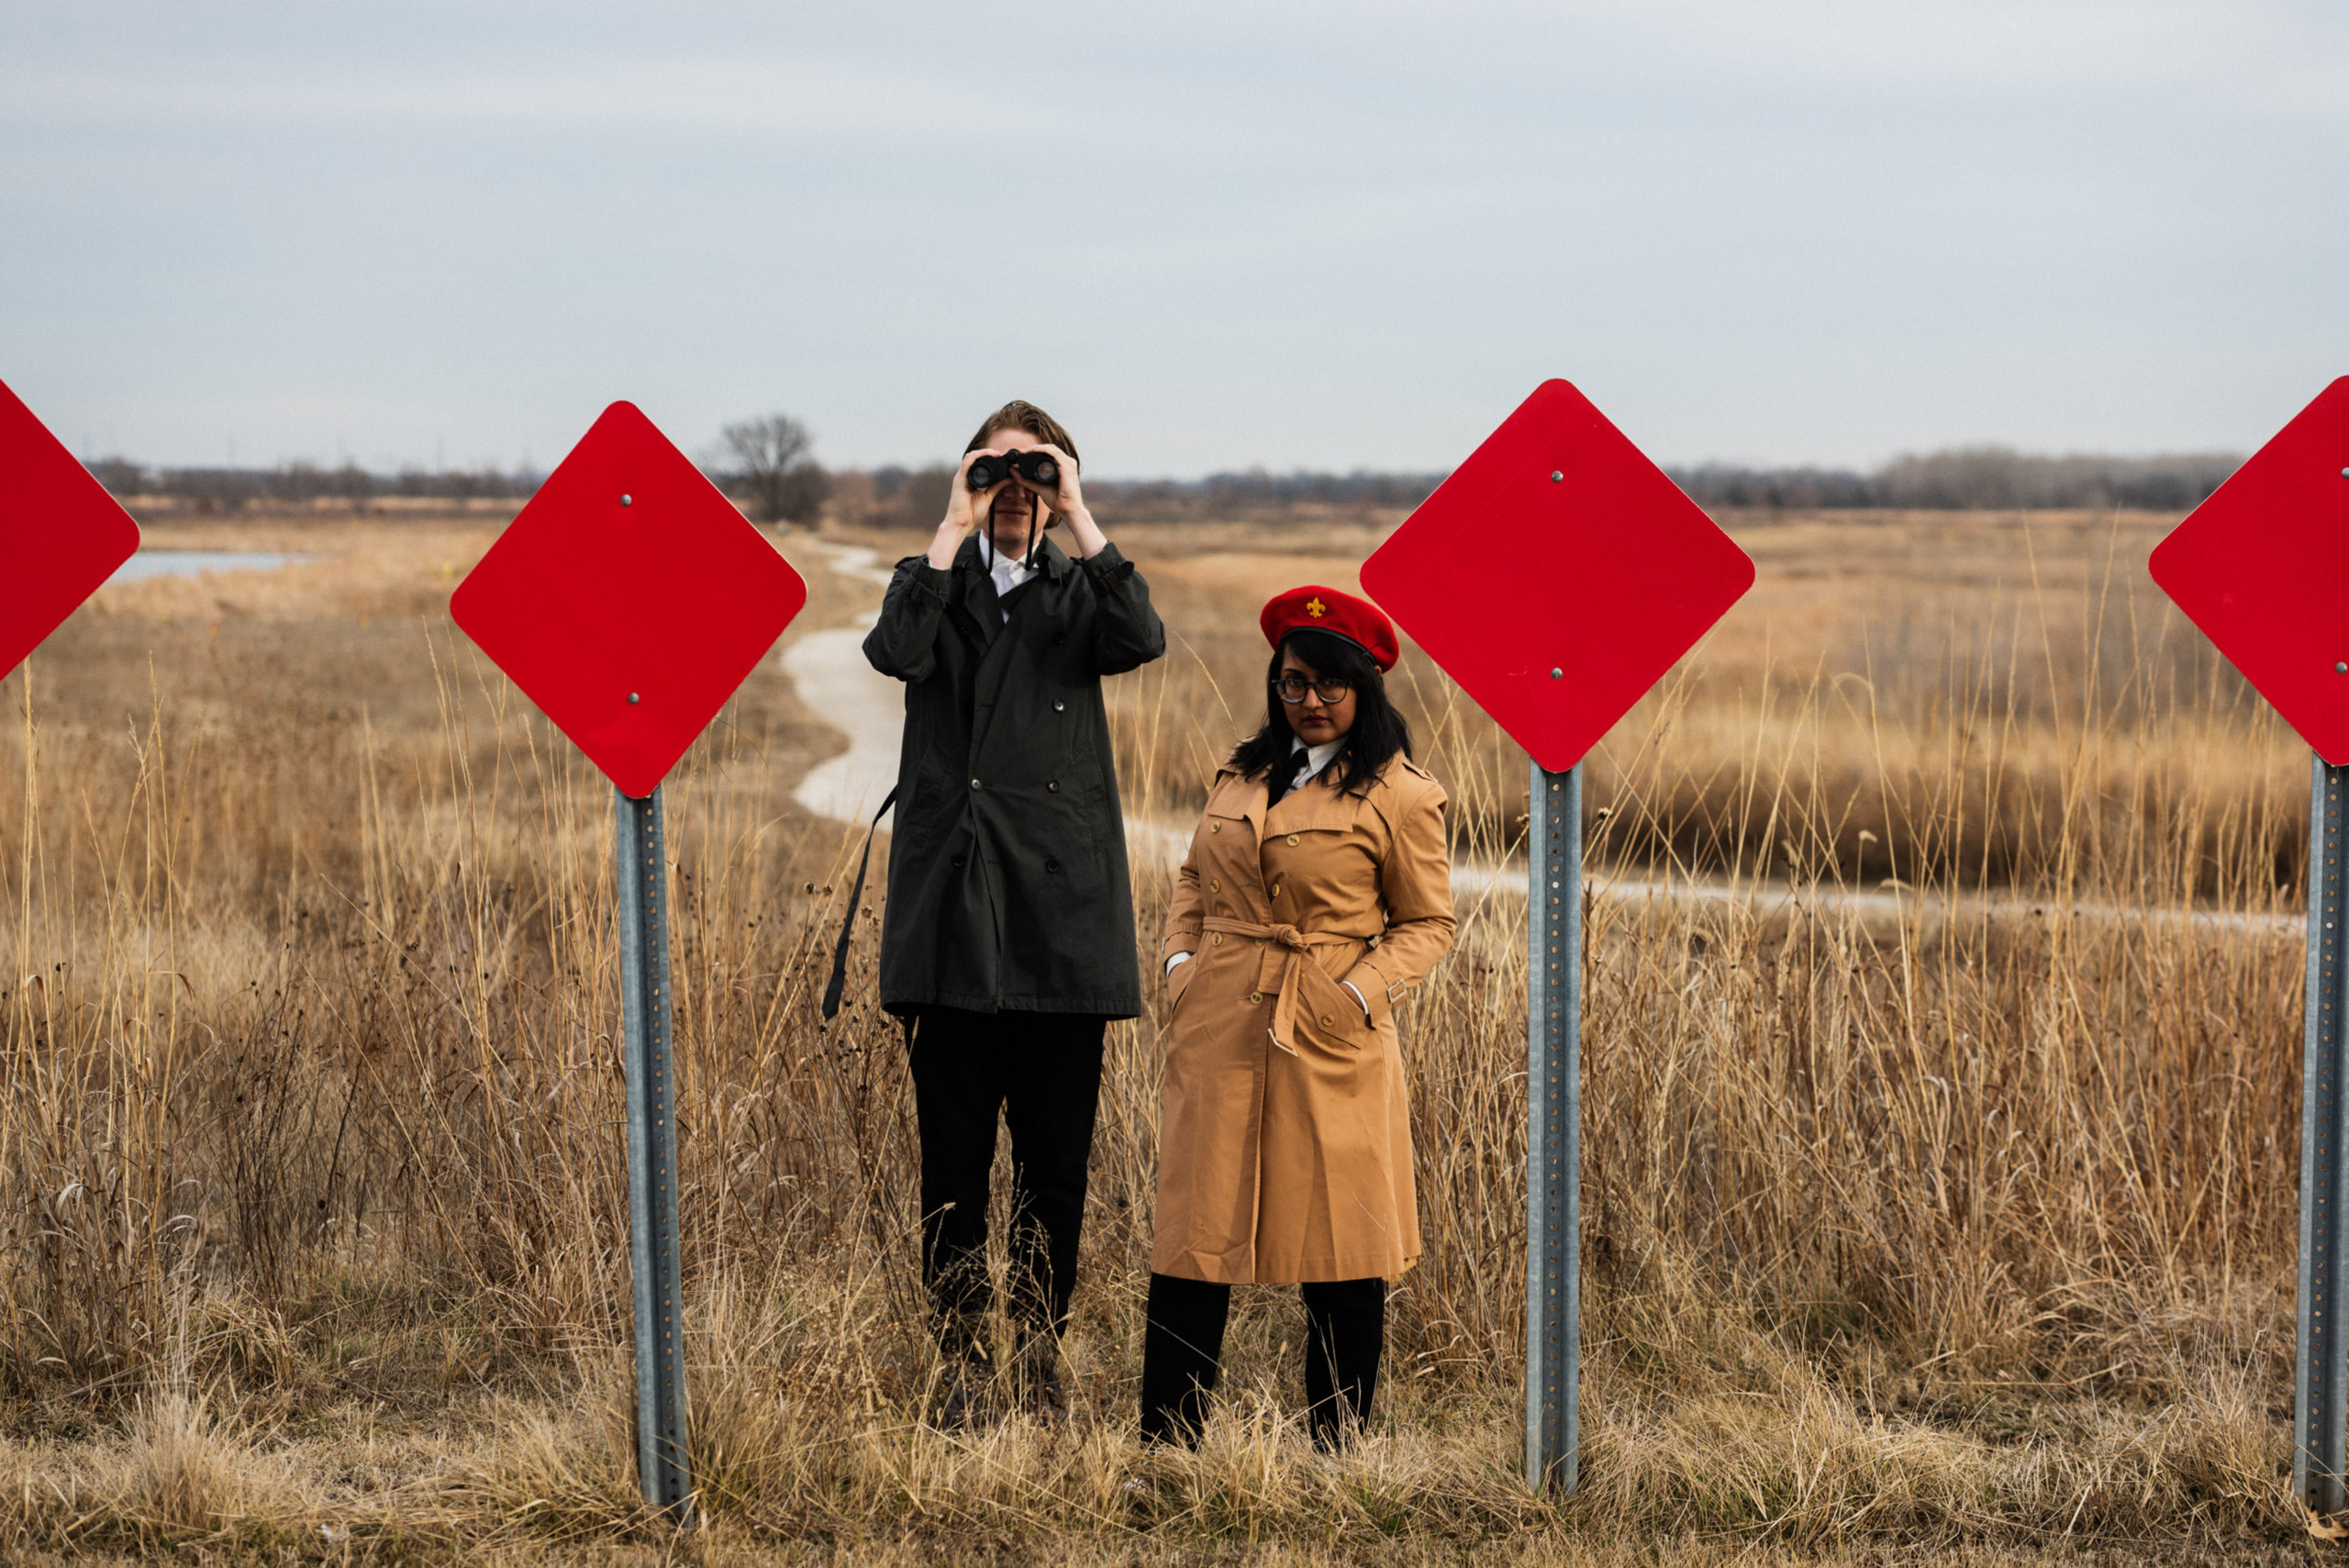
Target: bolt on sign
2263,568
628,600
62,534
1556,575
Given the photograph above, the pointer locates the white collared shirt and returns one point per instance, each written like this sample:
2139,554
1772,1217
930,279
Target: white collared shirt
1007,573
1316,758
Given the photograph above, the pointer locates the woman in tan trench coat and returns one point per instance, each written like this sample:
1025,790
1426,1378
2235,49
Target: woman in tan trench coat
1317,891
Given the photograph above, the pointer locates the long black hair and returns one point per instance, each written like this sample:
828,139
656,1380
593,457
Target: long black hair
1378,733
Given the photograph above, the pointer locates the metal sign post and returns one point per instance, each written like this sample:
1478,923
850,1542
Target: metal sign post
2319,1463
1553,1131
1613,573
2263,568
662,1463
628,600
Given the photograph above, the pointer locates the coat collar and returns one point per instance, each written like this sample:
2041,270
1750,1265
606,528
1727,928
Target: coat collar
973,587
1314,804
1232,795
1056,564
1051,560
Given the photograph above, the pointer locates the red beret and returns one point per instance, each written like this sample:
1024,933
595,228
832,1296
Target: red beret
1315,608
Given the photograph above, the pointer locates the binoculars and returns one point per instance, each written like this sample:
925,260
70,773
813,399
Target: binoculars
991,469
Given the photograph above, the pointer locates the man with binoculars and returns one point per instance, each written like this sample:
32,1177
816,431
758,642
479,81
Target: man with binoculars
1008,940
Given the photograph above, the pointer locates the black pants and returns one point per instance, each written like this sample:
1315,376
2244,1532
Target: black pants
1182,1352
1042,1072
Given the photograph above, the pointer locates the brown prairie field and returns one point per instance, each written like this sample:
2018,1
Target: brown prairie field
1940,1109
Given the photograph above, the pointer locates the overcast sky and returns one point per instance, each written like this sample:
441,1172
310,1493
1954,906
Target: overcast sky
1207,236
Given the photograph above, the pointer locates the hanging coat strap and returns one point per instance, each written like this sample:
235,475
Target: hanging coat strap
848,926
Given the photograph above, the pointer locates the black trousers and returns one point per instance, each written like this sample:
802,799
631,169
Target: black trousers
1042,1072
1182,1354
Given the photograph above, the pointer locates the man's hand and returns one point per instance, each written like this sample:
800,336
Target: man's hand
966,509
1067,498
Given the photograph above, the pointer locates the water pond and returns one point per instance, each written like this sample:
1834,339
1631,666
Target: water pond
195,562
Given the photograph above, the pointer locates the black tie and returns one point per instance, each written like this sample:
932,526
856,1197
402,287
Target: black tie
1283,778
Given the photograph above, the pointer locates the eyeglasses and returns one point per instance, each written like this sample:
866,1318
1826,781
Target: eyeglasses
1329,688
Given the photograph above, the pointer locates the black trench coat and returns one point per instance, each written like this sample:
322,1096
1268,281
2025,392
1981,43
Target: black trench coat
1007,883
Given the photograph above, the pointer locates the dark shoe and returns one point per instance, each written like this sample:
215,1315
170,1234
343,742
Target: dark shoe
1048,1400
1334,1427
962,1402
1041,1392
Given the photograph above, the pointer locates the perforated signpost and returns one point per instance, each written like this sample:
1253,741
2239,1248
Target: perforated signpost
2263,568
628,600
1556,575
61,533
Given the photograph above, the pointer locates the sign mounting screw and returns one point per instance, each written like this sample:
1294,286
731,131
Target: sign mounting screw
627,500
1558,476
1556,674
631,696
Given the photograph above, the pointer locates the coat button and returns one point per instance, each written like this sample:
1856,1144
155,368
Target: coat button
1259,941
958,863
1215,827
1052,864
1255,997
1328,1022
1214,886
1058,705
975,784
1276,890
1052,786
1292,841
1216,941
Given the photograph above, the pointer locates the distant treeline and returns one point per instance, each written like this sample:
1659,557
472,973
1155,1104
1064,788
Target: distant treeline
1258,488
1971,478
228,489
895,496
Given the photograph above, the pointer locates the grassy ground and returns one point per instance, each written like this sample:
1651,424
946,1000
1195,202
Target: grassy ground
1962,1232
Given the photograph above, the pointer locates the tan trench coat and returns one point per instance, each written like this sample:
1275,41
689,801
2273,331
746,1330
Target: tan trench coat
1284,1145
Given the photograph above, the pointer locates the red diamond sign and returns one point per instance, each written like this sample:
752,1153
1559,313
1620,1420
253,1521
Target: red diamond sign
1557,575
629,599
62,534
2263,568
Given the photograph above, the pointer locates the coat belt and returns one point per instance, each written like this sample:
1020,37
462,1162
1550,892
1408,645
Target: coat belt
1299,944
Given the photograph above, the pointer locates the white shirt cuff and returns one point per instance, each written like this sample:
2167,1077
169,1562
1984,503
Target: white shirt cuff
1174,958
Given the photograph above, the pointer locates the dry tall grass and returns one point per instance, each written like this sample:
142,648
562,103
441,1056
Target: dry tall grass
1960,1224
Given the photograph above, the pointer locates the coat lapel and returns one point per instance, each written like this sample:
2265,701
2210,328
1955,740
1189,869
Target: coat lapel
979,616
1254,804
1026,603
1313,805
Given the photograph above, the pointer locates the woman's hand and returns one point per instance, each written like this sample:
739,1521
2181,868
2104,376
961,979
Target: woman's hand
1067,498
964,509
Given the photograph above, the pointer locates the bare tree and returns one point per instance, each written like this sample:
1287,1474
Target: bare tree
118,474
773,465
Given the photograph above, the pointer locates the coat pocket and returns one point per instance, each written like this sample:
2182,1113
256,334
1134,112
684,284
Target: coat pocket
1328,1013
1178,982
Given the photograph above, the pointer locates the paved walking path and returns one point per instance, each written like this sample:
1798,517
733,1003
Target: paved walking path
838,687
